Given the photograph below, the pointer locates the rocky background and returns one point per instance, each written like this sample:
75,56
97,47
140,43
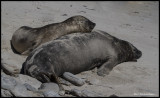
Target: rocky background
134,21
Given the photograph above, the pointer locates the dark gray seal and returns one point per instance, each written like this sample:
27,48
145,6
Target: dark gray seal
26,39
79,52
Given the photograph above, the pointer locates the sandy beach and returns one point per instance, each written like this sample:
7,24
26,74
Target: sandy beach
134,21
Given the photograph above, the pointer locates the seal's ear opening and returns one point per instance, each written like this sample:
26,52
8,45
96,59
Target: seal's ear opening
14,50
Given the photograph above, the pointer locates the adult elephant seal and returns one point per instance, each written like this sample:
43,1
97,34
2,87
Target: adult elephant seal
26,39
78,52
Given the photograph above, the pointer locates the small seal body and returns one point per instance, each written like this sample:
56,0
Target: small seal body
26,39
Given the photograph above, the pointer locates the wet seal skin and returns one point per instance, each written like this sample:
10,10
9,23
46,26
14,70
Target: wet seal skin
26,39
78,52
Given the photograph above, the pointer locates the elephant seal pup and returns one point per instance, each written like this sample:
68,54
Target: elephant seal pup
26,39
78,52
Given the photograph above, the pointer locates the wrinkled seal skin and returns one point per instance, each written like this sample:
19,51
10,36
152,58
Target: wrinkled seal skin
26,39
79,52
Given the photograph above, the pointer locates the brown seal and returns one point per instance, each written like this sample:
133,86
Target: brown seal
26,39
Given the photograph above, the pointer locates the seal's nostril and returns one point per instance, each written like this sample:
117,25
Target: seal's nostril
139,54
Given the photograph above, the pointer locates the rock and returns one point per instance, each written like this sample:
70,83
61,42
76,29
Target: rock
29,87
9,63
7,82
5,69
113,95
48,87
94,70
76,92
16,87
61,93
85,93
6,93
64,82
29,80
73,79
64,15
51,93
21,91
93,81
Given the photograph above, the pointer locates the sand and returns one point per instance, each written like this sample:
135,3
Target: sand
134,21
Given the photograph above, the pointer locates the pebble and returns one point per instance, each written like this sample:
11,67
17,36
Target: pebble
9,66
6,93
48,87
93,81
29,80
113,95
16,88
29,87
51,93
76,92
7,82
21,91
85,93
73,79
64,82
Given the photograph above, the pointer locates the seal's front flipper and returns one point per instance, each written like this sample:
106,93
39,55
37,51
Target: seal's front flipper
56,78
61,91
106,68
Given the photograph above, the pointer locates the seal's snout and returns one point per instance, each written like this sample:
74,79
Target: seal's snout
92,25
138,54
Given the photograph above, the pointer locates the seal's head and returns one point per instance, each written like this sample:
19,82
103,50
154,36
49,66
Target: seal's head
22,39
80,23
136,53
128,52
